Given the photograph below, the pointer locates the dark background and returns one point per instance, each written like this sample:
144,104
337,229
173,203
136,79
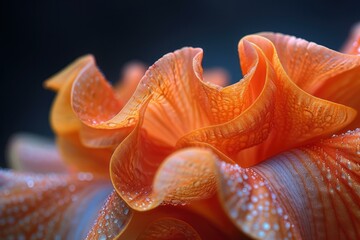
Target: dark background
38,38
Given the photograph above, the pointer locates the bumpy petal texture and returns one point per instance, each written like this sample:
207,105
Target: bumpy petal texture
67,126
312,192
49,206
279,116
320,71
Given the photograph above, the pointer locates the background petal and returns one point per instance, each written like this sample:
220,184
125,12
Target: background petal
31,153
49,206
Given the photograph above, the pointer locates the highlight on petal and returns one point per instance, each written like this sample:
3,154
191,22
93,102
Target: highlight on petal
280,115
352,45
168,228
49,206
27,152
112,220
311,192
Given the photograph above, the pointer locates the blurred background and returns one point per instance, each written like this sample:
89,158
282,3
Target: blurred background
38,38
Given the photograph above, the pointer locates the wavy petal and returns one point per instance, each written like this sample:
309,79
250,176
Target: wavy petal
320,71
169,228
280,116
27,152
49,206
93,99
113,219
308,193
69,73
62,118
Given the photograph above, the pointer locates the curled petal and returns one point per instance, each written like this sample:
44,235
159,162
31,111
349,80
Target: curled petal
49,206
168,228
311,192
113,219
62,118
320,71
27,152
279,116
93,98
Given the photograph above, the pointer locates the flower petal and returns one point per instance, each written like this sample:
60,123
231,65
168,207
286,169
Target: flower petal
142,221
311,192
62,118
112,220
93,99
352,45
27,152
279,115
169,228
49,206
320,71
82,158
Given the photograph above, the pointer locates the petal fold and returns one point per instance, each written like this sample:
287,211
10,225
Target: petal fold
278,116
311,192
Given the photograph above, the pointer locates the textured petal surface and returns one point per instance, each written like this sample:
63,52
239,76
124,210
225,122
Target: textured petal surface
169,228
280,115
320,71
311,192
93,99
27,152
50,206
113,219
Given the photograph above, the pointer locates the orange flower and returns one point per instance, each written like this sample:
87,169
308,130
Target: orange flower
267,156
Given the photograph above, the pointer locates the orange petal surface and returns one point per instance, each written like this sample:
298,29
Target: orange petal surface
112,220
280,116
311,192
320,71
62,118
